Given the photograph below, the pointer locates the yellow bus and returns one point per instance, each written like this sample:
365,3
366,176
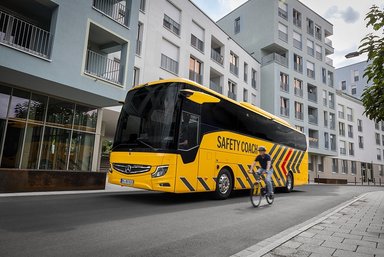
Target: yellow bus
177,136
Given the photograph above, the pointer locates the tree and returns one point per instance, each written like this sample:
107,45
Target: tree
373,45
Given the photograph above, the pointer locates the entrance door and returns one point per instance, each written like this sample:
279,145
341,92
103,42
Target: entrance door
364,172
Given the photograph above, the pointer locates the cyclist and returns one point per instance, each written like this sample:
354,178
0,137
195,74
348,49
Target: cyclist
265,161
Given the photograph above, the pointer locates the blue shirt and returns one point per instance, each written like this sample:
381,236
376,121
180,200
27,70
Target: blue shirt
263,160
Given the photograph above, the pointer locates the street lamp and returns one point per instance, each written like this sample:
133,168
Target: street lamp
352,54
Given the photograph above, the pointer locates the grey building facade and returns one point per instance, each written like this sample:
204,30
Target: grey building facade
61,62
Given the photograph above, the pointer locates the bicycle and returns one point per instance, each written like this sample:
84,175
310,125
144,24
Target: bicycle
259,190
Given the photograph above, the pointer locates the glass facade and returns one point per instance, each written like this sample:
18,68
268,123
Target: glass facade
41,132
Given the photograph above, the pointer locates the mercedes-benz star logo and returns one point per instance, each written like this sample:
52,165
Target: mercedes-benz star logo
128,168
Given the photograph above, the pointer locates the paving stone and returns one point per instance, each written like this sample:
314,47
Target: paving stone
350,236
292,244
380,245
284,251
320,255
317,249
359,243
343,253
341,246
329,238
318,227
373,239
320,232
339,230
305,240
307,234
376,251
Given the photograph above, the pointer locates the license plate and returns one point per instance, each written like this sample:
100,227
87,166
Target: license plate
127,182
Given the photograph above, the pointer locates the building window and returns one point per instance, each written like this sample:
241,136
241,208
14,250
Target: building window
343,85
310,27
299,111
350,131
351,149
300,128
298,63
378,154
313,138
283,32
335,165
330,78
324,75
234,63
232,90
142,5
361,142
312,115
332,140
254,79
353,90
345,166
340,109
349,114
341,129
245,72
310,69
326,140
297,41
297,18
332,121
318,52
353,167
237,25
318,32
197,37
136,76
283,9
284,106
325,119
298,84
359,125
253,99
377,137
310,47
139,39
117,10
195,70
382,139
331,100
169,57
325,100
312,93
171,25
284,82
172,17
355,75
245,95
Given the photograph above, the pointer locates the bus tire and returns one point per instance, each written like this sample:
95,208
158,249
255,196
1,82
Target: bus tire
224,184
289,183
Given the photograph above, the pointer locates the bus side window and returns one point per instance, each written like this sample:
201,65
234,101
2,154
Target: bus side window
189,131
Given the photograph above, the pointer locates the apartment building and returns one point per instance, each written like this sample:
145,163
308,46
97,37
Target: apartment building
61,62
360,145
350,79
176,39
297,75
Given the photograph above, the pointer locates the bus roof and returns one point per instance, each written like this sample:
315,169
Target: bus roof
241,104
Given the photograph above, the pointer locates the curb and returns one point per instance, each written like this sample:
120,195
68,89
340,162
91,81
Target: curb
275,241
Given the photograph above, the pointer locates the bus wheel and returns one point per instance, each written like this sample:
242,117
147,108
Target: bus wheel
224,184
289,184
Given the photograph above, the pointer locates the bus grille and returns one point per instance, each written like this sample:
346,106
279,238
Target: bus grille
131,168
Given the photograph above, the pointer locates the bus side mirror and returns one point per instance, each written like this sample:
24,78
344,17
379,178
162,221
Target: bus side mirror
198,97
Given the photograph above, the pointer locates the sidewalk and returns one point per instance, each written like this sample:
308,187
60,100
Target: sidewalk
355,228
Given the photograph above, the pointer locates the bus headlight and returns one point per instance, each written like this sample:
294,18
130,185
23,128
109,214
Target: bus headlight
160,171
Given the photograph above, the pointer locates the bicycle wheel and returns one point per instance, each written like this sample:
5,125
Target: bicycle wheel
256,194
269,200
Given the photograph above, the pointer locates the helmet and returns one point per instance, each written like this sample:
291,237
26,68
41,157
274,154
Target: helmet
262,148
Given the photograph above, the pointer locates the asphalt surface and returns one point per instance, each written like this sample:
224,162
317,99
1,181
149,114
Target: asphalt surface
145,223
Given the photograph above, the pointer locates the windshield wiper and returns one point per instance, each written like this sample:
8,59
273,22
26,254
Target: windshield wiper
146,144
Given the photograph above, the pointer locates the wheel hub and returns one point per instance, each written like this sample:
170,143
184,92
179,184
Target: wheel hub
224,183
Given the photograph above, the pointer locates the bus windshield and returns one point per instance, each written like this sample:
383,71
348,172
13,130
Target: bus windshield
147,120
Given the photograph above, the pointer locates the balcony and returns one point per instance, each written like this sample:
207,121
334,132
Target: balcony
195,76
232,95
328,42
216,87
275,57
284,111
284,87
299,115
234,69
298,92
116,10
138,47
329,61
312,97
298,67
24,36
313,142
197,43
217,57
169,64
283,36
101,66
312,119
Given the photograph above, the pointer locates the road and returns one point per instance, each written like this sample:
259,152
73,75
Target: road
145,223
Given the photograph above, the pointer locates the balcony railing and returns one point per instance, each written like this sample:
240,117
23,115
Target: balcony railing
284,111
298,67
318,35
195,76
284,87
313,142
297,44
319,56
101,66
234,69
217,57
299,115
170,24
283,14
216,87
299,92
169,64
138,47
113,9
312,119
283,36
310,30
297,22
312,97
24,36
232,95
329,61
197,43
328,41
311,73
274,57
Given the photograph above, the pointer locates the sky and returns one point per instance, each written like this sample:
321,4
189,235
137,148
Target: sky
347,17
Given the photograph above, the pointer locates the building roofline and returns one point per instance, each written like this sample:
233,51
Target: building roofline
348,96
206,15
352,64
297,1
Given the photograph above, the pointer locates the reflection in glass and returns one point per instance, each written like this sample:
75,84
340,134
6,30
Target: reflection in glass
5,93
60,113
37,108
31,146
55,149
19,105
81,151
2,131
13,144
85,118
